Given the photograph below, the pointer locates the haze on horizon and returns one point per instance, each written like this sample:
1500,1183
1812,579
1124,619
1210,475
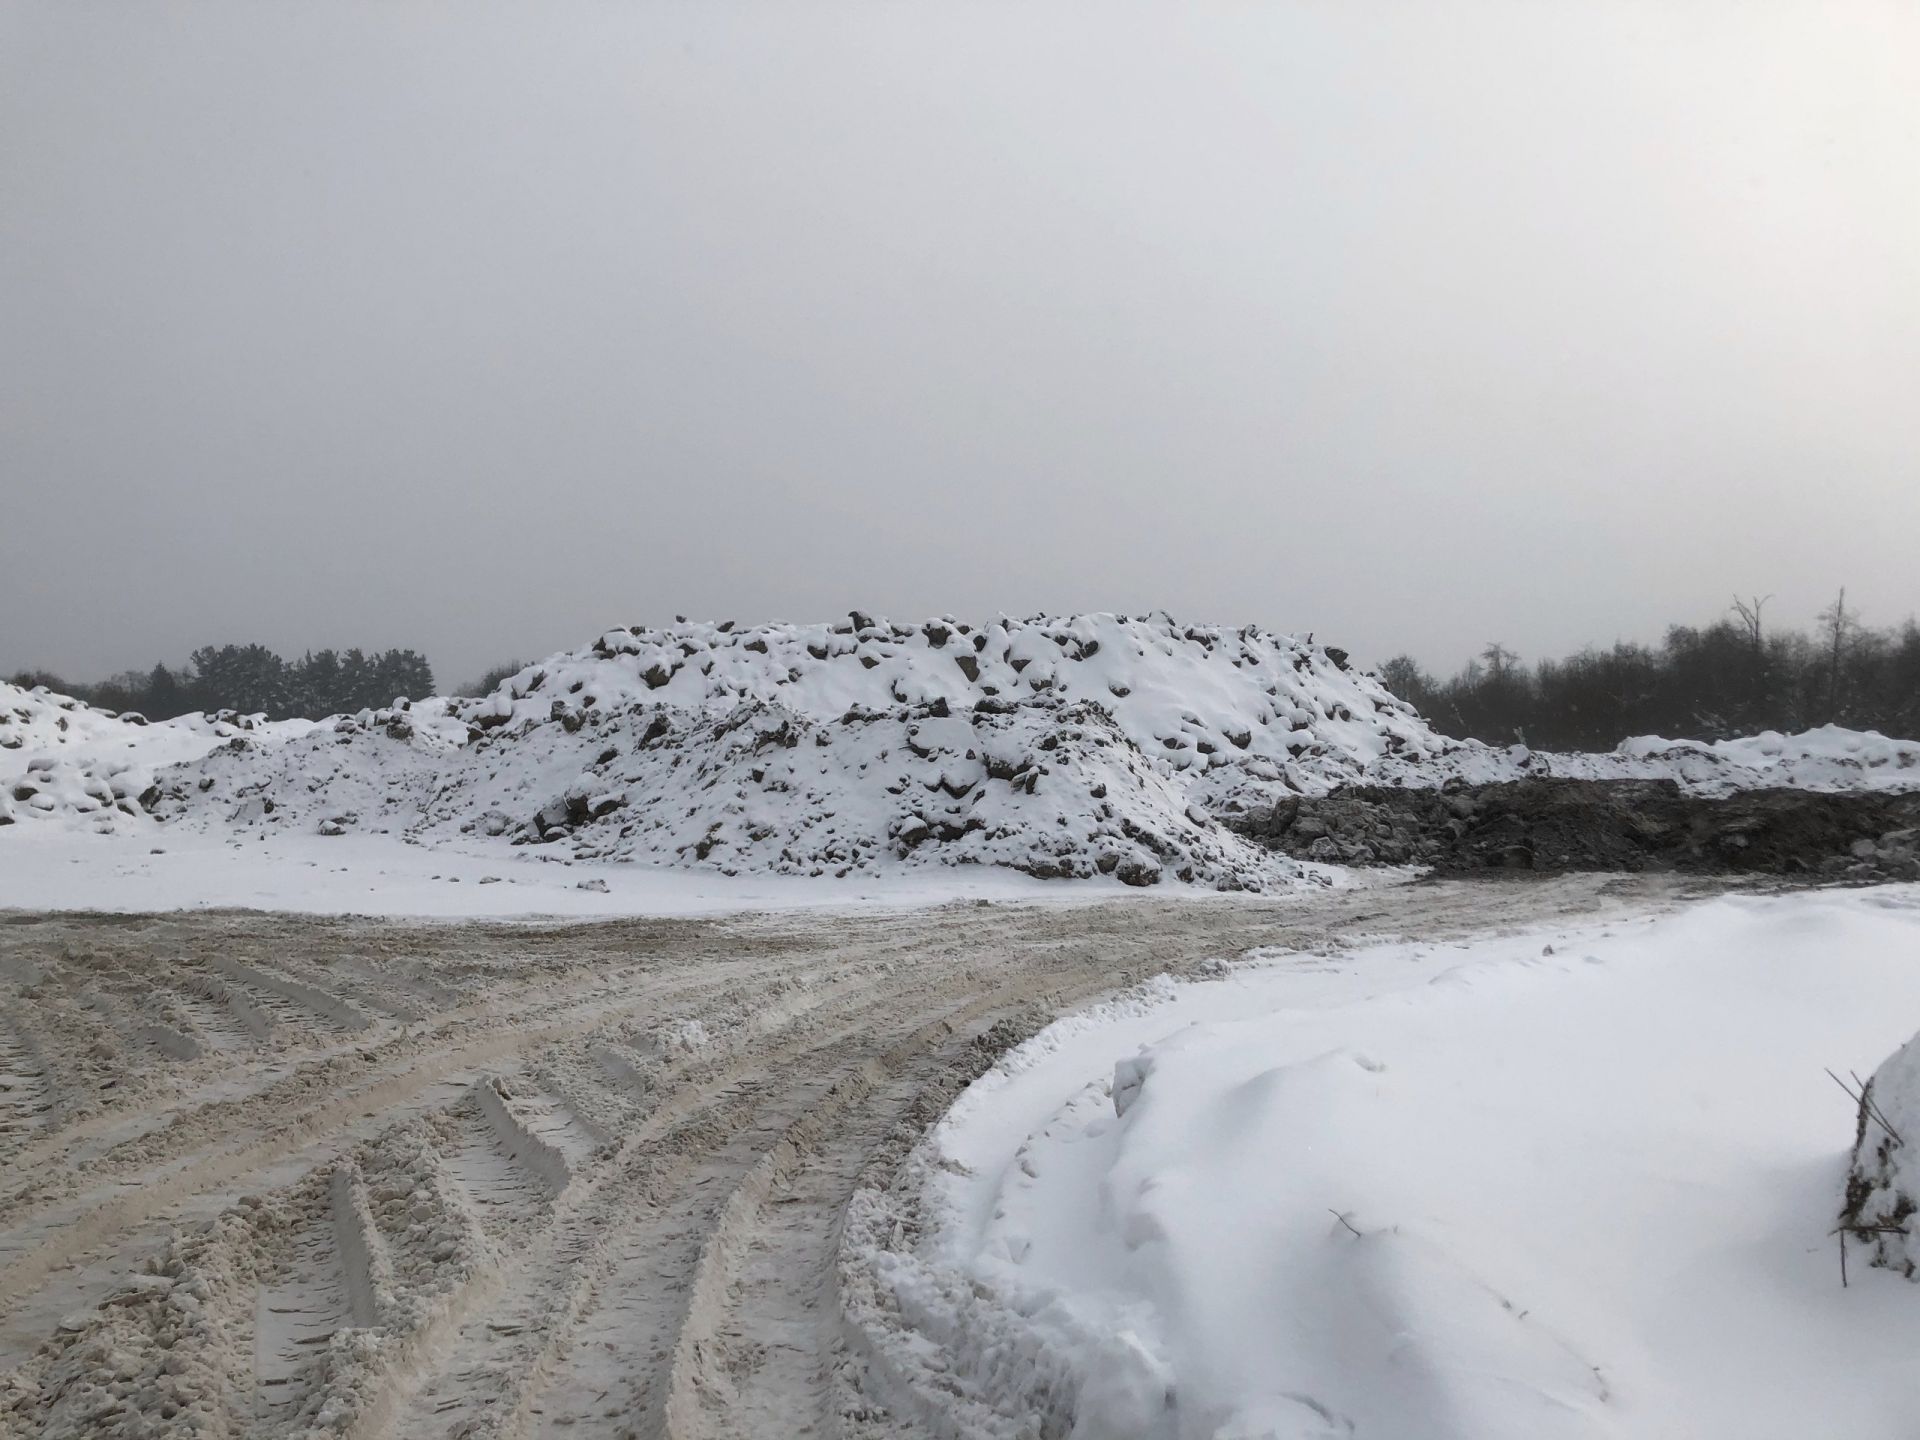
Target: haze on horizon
478,328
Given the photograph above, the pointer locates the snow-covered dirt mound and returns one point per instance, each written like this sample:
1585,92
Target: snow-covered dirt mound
1830,758
63,760
1136,748
1062,748
1559,1185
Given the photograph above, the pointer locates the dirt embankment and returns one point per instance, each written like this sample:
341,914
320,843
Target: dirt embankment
1560,824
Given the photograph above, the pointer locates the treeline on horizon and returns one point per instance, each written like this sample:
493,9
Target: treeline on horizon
1733,677
252,679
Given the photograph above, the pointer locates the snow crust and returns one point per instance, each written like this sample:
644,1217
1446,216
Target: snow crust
1553,1185
46,867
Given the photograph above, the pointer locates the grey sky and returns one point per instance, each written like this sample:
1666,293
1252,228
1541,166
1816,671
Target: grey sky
479,327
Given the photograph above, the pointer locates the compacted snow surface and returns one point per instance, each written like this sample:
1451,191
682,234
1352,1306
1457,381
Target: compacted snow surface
1546,1185
303,874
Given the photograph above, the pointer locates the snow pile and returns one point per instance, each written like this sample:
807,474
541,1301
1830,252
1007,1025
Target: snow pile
1585,1188
40,720
1828,758
1883,1182
1093,745
63,760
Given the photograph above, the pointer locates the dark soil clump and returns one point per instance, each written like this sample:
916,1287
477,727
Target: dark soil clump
1560,824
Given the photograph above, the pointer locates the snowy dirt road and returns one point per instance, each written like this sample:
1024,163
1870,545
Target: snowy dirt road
270,1176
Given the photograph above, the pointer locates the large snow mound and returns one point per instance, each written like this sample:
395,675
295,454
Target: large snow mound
62,760
1560,1186
1090,745
1136,748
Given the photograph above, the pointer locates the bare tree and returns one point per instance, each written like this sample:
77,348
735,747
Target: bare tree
1838,627
1500,661
1749,612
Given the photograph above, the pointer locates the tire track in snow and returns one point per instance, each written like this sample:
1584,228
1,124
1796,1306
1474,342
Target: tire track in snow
494,1374
302,1004
315,1293
213,1021
24,1100
509,1171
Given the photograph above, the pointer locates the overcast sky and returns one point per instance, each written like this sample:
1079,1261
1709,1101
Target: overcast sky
479,327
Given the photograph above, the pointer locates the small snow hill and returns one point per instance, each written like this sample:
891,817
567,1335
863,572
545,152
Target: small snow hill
62,760
1072,747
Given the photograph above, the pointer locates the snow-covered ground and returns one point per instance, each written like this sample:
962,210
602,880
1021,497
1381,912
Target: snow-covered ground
271,1176
1541,1185
167,869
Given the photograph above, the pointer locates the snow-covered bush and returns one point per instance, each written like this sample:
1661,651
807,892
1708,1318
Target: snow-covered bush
1883,1182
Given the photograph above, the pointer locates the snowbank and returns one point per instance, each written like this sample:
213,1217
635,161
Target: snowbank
1581,1185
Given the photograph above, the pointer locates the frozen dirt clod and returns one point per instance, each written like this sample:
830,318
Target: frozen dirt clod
1554,823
